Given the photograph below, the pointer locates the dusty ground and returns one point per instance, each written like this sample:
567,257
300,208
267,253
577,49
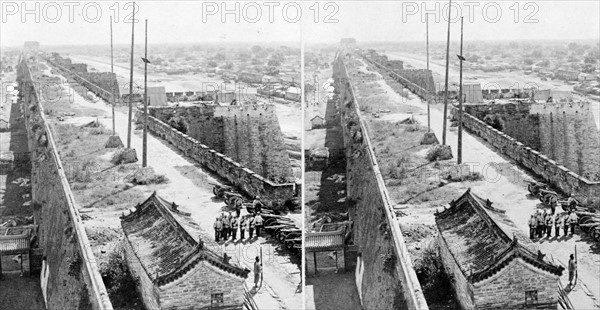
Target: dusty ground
503,182
190,186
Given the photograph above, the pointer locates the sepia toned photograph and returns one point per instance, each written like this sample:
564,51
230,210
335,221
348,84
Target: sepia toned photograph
318,155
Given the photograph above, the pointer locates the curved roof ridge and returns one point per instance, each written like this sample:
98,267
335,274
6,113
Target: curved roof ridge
198,255
515,250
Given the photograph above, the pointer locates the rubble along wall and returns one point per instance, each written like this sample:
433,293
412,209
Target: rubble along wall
569,182
388,278
250,135
74,281
234,172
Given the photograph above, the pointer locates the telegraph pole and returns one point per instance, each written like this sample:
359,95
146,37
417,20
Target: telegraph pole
112,72
460,96
428,97
131,81
145,133
446,81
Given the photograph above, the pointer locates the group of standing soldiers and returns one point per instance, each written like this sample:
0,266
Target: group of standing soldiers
226,226
541,223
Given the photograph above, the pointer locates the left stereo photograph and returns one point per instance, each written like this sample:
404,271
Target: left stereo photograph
151,156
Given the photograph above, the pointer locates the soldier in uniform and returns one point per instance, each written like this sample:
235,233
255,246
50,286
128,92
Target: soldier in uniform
557,224
250,226
573,218
234,227
257,205
540,224
566,223
532,226
258,221
548,225
226,226
218,227
243,227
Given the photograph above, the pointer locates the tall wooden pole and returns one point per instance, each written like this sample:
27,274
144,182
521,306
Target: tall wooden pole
460,97
428,97
446,81
145,133
112,72
131,81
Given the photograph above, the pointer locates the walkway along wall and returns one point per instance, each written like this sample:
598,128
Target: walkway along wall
569,182
238,175
388,278
73,279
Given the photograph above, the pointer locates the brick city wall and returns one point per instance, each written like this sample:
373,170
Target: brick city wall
564,132
462,288
418,81
254,139
504,291
567,181
74,281
194,289
388,278
568,134
250,135
202,125
103,84
518,122
145,286
234,172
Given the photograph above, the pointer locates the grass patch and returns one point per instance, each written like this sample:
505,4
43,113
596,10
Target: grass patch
120,283
146,176
436,284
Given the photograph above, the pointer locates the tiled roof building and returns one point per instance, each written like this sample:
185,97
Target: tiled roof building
493,265
175,270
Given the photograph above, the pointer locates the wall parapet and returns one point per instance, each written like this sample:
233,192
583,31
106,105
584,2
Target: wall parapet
51,190
586,191
358,145
242,177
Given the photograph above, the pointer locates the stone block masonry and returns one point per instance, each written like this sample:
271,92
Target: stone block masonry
250,135
569,182
387,279
240,176
74,281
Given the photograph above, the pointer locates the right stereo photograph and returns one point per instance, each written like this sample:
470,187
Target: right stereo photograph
451,156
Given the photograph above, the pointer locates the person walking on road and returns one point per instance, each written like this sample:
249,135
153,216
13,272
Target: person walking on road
218,227
258,221
234,227
573,219
257,272
572,269
532,226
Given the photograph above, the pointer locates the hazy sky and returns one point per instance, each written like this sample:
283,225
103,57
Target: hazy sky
196,22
